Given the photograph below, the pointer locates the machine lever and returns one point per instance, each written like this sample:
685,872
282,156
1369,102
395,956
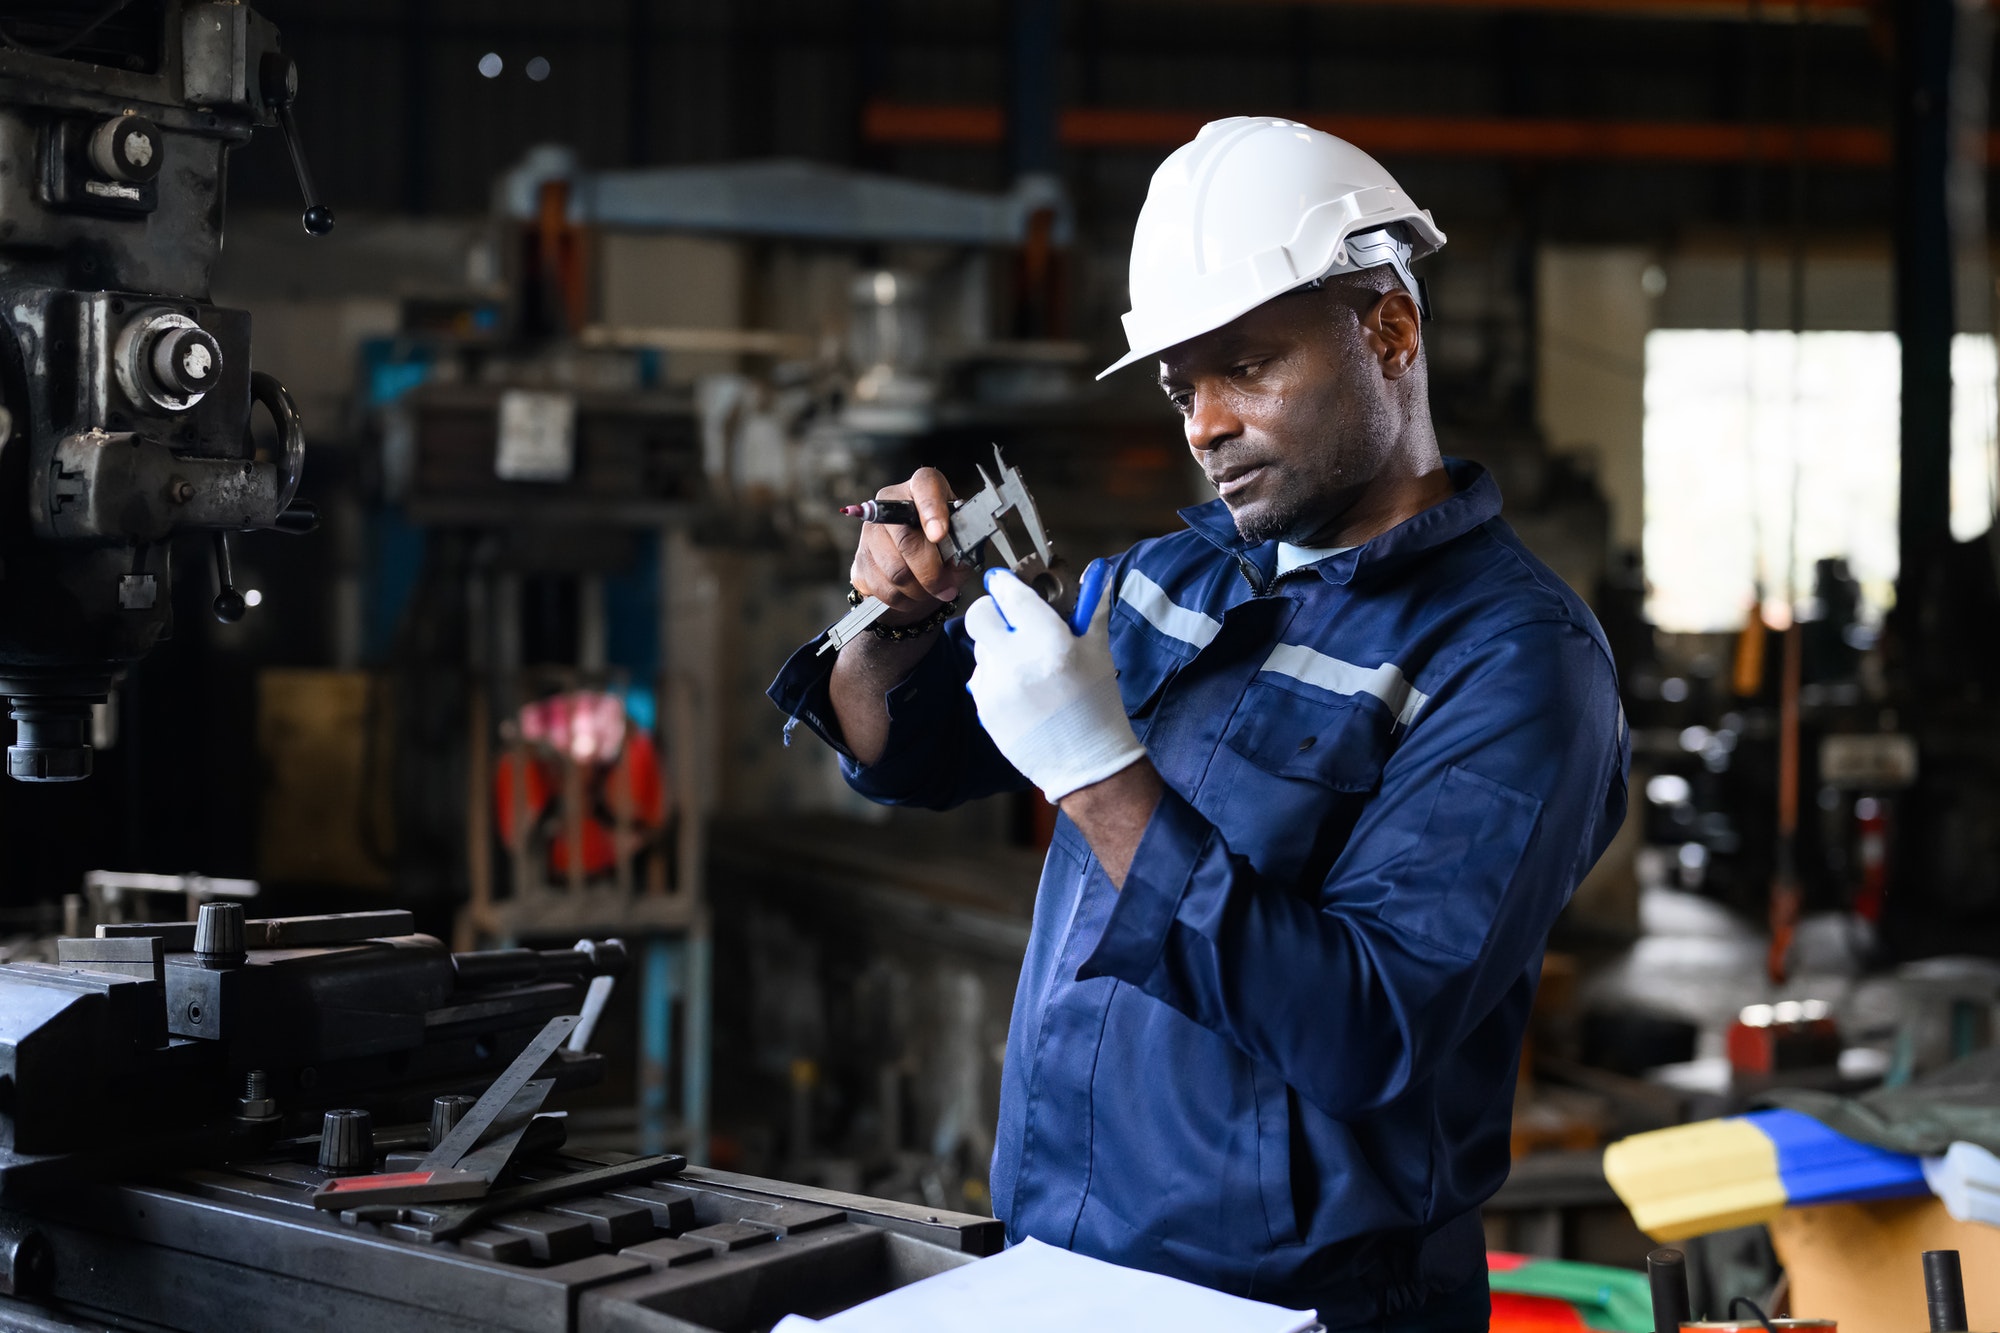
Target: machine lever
229,604
267,389
279,76
299,519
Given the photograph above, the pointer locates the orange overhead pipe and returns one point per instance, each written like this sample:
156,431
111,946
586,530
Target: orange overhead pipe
1768,11
896,122
1426,136
1554,140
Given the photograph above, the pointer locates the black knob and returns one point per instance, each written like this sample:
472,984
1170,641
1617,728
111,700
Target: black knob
186,361
126,148
446,1112
318,219
1666,1272
1944,1291
347,1142
218,935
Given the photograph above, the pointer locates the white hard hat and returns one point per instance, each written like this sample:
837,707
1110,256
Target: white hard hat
1254,207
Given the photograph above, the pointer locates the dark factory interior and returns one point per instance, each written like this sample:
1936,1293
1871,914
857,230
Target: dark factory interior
1466,794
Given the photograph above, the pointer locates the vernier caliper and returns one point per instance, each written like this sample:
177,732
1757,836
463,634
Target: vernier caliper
974,523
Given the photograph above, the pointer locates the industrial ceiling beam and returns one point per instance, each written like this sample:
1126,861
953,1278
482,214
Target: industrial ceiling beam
971,125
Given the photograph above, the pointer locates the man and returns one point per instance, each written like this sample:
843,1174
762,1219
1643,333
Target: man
1329,763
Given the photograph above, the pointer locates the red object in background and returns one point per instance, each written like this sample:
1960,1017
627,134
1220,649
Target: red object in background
639,764
561,261
537,787
620,764
1871,848
1513,1313
1516,1313
1769,1038
587,725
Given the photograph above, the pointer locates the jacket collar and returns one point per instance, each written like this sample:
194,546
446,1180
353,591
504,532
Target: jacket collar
1474,500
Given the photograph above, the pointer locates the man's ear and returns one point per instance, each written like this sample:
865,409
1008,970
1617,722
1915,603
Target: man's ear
1394,327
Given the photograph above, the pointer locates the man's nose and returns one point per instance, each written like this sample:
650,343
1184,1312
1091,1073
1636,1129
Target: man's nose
1210,421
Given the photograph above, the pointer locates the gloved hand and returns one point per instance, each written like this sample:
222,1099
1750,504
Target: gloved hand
1046,690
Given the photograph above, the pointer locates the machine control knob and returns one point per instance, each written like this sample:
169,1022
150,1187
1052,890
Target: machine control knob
186,361
126,148
164,360
347,1142
446,1112
218,935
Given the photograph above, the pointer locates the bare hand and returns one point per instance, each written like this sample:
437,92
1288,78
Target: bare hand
903,566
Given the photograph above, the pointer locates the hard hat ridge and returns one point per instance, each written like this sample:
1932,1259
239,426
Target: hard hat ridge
1253,207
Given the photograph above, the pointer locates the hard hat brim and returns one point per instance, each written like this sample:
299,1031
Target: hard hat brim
1207,322
1134,358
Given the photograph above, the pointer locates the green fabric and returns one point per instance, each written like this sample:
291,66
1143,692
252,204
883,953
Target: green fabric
1613,1299
1960,1102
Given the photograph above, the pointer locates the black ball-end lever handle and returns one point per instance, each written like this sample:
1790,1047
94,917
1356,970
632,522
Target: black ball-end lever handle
229,604
278,77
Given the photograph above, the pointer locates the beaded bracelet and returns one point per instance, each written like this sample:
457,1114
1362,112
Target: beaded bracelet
898,633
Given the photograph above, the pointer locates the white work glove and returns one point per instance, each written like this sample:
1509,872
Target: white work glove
1047,693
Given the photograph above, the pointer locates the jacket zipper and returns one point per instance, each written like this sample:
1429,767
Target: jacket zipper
1252,574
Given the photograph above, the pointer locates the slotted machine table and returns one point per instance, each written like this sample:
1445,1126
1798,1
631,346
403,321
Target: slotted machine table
175,1099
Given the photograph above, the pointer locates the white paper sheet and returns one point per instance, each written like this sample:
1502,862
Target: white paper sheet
1040,1287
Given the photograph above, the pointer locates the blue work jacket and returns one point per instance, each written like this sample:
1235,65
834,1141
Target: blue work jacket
1281,1060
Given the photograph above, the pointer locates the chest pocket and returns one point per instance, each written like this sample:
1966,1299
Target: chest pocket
1340,743
1144,666
1296,772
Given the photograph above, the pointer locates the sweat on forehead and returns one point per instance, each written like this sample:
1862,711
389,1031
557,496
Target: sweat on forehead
1305,309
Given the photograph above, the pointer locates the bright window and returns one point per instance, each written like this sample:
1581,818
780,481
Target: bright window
1765,452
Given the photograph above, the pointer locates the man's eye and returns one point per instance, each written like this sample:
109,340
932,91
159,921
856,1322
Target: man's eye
1182,399
1242,368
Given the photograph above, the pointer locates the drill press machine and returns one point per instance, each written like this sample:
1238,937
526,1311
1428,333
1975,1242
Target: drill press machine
125,396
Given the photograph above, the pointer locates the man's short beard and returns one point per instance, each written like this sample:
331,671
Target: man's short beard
1283,518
